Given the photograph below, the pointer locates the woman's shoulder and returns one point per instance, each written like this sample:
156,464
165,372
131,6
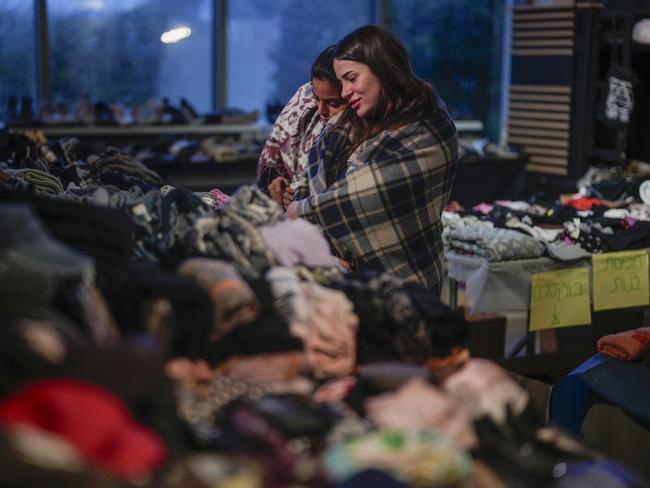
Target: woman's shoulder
436,123
301,103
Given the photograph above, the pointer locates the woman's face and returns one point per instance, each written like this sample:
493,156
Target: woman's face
360,87
328,98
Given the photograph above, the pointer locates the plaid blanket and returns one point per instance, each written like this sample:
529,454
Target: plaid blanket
382,211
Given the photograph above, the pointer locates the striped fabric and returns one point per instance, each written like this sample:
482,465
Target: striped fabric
384,212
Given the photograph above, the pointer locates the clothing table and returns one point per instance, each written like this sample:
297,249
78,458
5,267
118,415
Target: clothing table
500,286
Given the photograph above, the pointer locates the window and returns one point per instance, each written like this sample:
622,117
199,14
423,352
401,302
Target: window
112,50
17,53
457,46
272,45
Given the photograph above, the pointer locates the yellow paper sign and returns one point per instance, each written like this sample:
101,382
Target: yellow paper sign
620,280
559,299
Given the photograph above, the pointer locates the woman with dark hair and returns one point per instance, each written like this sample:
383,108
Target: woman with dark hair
381,176
301,121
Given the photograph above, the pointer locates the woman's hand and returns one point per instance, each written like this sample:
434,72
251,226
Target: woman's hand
291,211
344,264
287,196
276,189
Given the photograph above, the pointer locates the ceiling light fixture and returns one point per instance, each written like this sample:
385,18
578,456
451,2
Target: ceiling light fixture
176,34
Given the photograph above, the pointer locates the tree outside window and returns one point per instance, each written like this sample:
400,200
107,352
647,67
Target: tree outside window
112,50
457,46
272,45
17,52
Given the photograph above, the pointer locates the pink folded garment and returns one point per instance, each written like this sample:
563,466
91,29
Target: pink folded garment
627,346
220,196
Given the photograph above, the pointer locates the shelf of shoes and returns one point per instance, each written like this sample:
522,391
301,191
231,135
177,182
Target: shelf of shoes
88,119
149,130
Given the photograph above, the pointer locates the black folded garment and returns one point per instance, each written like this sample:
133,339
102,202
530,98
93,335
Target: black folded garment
104,234
268,333
401,321
191,323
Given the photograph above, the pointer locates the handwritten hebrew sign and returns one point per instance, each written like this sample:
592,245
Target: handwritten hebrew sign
620,280
559,299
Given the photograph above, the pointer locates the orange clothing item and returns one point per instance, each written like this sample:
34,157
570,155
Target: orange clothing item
627,346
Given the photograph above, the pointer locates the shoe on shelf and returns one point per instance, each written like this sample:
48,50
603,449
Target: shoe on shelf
84,112
172,115
189,111
103,114
12,109
27,108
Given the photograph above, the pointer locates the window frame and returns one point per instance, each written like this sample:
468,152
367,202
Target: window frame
378,12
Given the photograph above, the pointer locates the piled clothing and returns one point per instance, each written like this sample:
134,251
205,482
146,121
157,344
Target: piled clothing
207,363
495,244
605,216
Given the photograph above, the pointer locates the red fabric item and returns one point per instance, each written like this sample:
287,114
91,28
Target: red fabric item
586,203
454,206
627,346
90,418
220,196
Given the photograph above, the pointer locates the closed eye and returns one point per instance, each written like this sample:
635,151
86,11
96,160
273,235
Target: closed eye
336,103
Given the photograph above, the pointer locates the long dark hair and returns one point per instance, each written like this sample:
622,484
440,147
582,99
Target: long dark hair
404,97
322,68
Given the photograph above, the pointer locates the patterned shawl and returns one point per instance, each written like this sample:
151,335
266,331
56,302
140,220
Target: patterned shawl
384,212
292,136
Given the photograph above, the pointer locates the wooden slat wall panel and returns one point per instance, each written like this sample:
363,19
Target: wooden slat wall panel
547,151
561,24
568,34
568,14
558,5
516,43
525,141
540,113
553,161
534,97
550,107
545,133
540,89
541,52
520,123
544,168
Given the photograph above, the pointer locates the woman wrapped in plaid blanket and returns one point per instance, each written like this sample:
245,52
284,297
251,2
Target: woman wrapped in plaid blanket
380,178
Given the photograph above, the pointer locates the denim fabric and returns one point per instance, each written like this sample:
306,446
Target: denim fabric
163,223
132,184
104,196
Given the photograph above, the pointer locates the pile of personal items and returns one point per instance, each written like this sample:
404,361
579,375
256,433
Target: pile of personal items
153,336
